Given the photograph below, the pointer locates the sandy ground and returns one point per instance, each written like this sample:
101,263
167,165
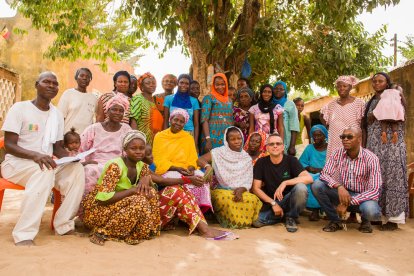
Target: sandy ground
266,251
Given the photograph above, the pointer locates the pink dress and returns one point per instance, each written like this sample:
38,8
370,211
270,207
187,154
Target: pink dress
390,106
262,120
107,146
338,118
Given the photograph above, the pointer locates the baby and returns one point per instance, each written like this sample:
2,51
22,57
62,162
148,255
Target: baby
389,111
72,141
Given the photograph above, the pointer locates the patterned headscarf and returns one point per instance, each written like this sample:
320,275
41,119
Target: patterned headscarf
131,135
119,99
350,80
283,100
262,143
182,98
221,98
180,111
143,77
321,128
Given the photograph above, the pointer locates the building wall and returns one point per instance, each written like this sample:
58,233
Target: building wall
23,54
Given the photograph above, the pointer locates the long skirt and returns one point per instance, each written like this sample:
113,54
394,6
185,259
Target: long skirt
231,214
132,219
202,194
178,201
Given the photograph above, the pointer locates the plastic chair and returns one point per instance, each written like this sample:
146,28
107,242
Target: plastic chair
410,167
5,184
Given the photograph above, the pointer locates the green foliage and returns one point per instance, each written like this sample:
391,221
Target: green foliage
299,41
407,51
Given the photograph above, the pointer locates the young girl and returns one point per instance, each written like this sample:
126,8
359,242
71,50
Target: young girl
72,141
390,110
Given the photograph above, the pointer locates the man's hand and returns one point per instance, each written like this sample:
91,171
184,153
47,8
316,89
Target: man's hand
277,210
44,161
279,191
344,196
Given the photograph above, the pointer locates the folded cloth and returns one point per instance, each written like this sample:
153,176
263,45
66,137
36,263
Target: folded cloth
51,129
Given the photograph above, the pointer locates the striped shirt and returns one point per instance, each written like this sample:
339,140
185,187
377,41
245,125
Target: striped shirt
361,175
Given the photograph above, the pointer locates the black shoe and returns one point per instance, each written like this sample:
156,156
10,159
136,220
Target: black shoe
291,225
332,226
365,227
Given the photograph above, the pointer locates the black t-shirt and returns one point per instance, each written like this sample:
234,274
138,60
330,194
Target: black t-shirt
274,174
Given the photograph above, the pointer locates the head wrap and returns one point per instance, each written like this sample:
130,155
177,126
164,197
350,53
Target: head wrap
121,73
282,100
350,80
131,135
386,76
119,99
221,98
180,111
262,143
143,77
321,128
267,107
245,89
182,98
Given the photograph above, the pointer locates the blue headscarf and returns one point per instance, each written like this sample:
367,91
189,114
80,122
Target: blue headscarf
321,128
182,99
283,100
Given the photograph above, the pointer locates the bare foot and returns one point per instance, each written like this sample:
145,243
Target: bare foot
25,243
384,137
209,232
73,233
97,239
394,138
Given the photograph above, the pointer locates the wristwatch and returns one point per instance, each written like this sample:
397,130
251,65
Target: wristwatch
273,203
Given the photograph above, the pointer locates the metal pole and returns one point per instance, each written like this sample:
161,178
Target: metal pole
395,50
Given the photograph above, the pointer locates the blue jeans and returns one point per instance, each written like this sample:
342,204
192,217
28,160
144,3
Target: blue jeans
328,199
292,204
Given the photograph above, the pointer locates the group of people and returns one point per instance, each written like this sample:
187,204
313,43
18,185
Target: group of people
160,158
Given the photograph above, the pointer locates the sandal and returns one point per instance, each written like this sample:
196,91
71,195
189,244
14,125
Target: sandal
365,227
332,226
97,239
314,216
389,226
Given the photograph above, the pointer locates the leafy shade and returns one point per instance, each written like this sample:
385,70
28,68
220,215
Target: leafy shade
299,41
408,50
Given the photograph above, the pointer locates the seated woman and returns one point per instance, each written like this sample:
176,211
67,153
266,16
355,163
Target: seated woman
105,138
124,204
255,146
175,156
313,160
233,205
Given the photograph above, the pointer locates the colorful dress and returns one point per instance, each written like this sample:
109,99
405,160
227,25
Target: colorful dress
262,120
242,116
131,219
106,145
393,162
233,170
219,116
312,157
104,100
178,149
189,126
338,118
148,118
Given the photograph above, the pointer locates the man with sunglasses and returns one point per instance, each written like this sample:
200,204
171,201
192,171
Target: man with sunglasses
279,180
350,181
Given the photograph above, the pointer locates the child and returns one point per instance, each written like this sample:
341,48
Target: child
389,111
149,159
72,141
232,94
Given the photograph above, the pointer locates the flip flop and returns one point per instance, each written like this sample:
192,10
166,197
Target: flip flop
227,236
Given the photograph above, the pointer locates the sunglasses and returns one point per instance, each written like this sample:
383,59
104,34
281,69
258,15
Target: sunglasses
274,144
349,137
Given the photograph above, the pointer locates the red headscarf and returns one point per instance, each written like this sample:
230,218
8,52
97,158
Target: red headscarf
222,98
262,144
143,77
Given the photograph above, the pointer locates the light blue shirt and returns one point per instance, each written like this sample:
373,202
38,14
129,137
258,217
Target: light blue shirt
290,121
189,126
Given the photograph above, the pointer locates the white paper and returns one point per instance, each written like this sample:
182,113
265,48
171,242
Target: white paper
78,157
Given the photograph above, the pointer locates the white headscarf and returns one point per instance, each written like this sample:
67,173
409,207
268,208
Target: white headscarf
233,169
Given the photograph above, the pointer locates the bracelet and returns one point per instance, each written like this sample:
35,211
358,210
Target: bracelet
207,137
186,179
207,165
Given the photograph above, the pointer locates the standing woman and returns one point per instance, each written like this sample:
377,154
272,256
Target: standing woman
290,116
304,122
217,114
182,99
168,83
392,157
145,116
121,86
241,115
346,111
77,105
260,119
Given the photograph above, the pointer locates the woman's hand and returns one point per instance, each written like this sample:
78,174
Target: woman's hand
209,172
209,145
238,194
196,180
190,170
89,162
144,186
